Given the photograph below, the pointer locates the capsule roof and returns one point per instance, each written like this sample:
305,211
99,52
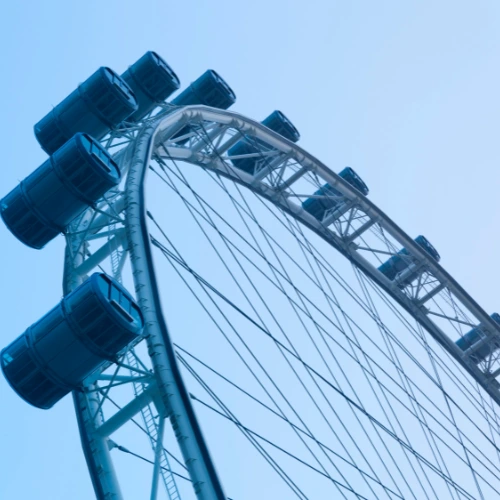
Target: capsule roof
119,83
426,245
350,176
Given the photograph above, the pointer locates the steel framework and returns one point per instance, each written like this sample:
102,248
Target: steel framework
356,228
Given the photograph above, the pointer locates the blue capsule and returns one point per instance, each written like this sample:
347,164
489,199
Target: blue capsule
152,80
278,123
99,104
402,260
72,179
210,89
476,335
89,327
317,207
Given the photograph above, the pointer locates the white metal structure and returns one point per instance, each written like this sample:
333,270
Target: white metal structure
118,232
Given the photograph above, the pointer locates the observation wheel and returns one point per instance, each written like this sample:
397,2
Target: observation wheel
257,327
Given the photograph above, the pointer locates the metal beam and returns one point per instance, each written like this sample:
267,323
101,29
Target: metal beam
102,253
95,447
366,206
127,412
169,380
170,383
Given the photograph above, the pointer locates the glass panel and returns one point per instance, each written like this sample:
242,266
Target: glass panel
122,311
101,156
17,348
115,294
111,163
156,58
86,142
104,285
125,302
134,312
109,73
7,358
122,87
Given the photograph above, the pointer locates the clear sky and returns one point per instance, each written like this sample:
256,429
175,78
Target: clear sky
404,92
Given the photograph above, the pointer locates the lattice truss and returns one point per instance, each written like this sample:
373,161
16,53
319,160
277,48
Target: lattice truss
314,375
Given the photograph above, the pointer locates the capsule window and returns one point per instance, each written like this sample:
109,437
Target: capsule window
285,120
125,302
220,81
87,143
103,163
167,68
356,178
121,86
215,76
130,307
432,249
121,89
103,157
104,285
135,313
115,294
7,358
118,82
122,311
119,300
17,348
156,58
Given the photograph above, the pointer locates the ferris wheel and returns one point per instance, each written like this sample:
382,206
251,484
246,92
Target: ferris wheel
313,348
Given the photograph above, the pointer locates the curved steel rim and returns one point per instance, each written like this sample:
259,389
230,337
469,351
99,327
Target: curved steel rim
158,132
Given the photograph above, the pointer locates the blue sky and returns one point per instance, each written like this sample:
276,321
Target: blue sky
406,93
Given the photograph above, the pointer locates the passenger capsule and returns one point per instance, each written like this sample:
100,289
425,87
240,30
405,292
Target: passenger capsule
99,104
476,335
152,80
278,123
333,198
90,326
403,260
70,181
210,90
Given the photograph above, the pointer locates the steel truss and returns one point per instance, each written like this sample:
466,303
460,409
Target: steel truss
285,175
